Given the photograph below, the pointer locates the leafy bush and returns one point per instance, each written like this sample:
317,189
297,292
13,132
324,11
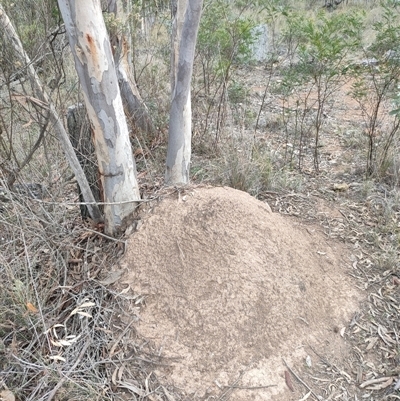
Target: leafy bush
376,82
319,47
225,39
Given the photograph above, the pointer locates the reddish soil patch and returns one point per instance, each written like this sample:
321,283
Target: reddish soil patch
233,288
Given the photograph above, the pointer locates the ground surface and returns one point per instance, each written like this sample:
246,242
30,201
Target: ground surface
224,292
304,299
234,290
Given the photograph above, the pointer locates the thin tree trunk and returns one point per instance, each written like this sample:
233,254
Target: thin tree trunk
180,124
94,64
80,133
121,44
58,126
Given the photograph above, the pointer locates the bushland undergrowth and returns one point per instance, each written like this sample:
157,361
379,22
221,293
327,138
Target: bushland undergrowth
268,127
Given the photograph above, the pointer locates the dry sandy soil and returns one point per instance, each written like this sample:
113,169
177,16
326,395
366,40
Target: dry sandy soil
301,303
237,297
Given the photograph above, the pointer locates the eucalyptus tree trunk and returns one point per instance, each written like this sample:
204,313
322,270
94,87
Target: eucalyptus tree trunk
178,9
185,28
46,103
94,64
120,38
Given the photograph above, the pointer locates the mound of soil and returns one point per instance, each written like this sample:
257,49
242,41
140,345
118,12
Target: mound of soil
233,288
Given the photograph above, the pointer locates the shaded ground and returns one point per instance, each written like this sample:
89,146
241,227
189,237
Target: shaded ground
234,290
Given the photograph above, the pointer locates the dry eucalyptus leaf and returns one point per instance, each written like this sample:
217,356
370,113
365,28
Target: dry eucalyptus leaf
55,343
31,307
84,314
120,372
125,290
87,304
57,358
288,381
376,384
80,307
387,383
306,396
129,385
129,230
372,341
62,343
114,377
382,386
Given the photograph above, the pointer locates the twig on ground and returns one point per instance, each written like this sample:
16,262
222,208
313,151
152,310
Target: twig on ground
251,387
228,390
323,359
300,381
105,236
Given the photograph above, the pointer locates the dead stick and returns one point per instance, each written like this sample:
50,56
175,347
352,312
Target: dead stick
301,381
323,359
251,387
228,390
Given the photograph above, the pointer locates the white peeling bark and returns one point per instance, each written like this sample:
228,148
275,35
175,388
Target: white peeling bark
58,126
180,123
94,64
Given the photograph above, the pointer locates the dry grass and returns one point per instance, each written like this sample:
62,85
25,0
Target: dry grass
63,330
